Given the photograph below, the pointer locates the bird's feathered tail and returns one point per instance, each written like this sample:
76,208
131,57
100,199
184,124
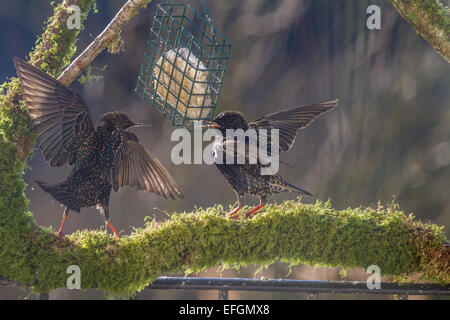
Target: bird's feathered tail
293,188
60,193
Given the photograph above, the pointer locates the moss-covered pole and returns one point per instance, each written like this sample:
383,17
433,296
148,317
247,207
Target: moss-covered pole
431,19
52,53
56,46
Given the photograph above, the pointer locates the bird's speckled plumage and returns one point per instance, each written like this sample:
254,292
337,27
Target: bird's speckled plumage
104,157
247,178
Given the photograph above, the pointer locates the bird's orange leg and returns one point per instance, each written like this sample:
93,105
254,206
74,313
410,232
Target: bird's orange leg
234,214
104,210
251,212
262,203
112,228
65,214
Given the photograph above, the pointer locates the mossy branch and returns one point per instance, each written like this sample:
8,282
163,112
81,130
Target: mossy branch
290,232
431,19
56,46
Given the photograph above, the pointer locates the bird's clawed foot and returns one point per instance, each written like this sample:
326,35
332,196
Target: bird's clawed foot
252,212
61,235
235,213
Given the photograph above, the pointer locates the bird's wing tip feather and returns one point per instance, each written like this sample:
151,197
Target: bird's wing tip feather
17,61
334,101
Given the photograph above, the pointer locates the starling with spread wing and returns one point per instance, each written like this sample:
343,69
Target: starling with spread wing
246,178
104,157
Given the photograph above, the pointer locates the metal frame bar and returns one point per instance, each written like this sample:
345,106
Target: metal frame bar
311,287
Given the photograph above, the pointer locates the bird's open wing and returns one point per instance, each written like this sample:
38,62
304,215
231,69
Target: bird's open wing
133,165
289,121
60,118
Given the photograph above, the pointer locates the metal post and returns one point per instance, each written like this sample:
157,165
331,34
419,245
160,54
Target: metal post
223,294
312,296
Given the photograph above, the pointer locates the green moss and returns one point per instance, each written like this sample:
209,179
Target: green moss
88,78
436,12
117,45
431,19
291,232
55,47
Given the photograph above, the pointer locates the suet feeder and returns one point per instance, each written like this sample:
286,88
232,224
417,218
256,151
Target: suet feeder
184,64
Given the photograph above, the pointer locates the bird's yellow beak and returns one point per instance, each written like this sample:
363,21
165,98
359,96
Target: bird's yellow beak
138,125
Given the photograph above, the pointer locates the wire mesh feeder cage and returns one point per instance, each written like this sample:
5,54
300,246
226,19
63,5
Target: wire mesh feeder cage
184,64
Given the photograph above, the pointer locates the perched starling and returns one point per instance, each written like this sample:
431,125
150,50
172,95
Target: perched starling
103,157
247,178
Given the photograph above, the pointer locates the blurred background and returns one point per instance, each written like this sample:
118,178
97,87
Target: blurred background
389,138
